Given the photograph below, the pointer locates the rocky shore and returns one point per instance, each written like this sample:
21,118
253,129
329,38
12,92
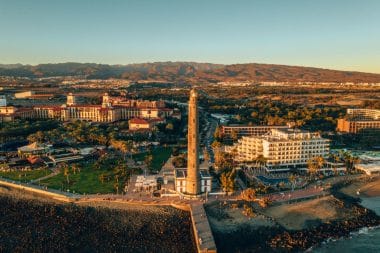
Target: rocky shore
277,238
29,225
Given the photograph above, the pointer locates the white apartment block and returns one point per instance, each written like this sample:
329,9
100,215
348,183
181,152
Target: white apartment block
363,114
281,147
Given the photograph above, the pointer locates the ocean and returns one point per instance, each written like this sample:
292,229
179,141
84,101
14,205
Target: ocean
366,240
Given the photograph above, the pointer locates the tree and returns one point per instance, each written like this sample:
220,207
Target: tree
102,178
169,127
350,161
148,160
293,180
315,164
248,211
234,135
218,134
261,160
66,172
227,180
75,167
206,155
116,186
248,194
179,162
311,167
264,202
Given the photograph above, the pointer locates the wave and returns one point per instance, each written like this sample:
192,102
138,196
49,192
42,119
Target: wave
361,231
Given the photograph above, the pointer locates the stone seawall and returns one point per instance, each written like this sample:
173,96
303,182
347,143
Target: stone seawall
49,194
201,227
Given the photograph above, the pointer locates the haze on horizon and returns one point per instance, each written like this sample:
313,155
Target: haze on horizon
339,34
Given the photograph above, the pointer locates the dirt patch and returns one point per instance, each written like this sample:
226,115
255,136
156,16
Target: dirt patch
307,214
227,217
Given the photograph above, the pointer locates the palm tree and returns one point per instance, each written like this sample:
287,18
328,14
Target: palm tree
248,194
227,181
75,168
148,160
293,180
206,155
311,167
66,172
320,161
101,178
116,186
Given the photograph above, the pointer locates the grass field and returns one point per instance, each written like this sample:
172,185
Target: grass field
25,176
86,181
160,156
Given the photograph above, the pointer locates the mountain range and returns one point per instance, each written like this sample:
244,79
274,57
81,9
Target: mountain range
190,72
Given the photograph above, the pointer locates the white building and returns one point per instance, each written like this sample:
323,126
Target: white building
281,147
180,180
24,94
3,100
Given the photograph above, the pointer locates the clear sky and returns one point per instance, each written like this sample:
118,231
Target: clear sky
338,34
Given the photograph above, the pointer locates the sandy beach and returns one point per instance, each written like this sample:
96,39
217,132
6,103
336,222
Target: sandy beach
368,187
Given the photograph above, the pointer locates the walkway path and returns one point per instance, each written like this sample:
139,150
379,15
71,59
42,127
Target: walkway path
55,172
202,230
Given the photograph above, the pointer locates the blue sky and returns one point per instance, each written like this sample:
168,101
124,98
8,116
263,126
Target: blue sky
338,34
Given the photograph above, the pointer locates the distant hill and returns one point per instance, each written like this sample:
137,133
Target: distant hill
190,72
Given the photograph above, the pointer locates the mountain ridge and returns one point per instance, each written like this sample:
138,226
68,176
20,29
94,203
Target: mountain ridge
191,72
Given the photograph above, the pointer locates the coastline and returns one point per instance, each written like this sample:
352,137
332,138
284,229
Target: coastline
35,223
278,237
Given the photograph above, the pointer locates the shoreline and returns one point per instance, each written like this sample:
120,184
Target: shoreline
337,229
57,226
247,238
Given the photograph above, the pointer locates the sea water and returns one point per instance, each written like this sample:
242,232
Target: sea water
366,240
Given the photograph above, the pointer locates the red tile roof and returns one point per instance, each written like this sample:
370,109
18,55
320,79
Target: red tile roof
138,121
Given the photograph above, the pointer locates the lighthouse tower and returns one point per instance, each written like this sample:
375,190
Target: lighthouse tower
193,186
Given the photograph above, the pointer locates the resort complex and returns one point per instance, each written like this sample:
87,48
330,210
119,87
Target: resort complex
359,121
112,109
281,148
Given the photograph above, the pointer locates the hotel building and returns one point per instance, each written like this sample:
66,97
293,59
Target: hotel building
281,147
358,120
242,130
9,113
111,109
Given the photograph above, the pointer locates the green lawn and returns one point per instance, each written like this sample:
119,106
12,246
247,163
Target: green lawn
160,156
86,181
25,176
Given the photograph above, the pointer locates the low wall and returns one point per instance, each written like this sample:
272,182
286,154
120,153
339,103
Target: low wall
49,194
202,230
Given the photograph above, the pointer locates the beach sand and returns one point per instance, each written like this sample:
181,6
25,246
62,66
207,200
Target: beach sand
366,188
308,213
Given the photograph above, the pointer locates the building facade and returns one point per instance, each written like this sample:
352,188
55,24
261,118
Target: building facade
180,180
248,130
281,147
358,120
10,113
111,109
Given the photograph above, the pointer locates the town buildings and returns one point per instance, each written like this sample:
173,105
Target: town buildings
245,130
112,109
144,124
9,113
359,121
181,180
281,148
